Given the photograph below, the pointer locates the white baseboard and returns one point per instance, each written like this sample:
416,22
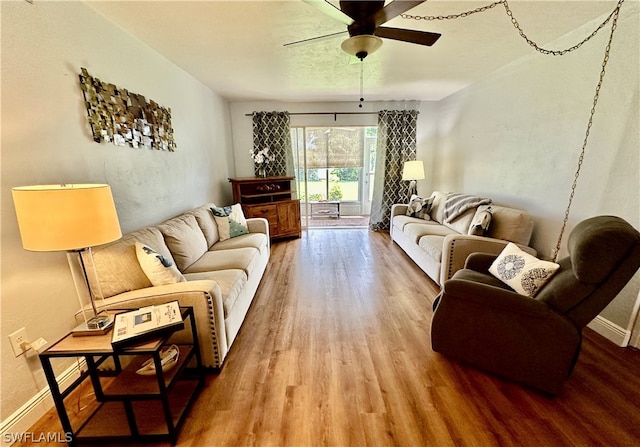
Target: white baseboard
24,417
610,331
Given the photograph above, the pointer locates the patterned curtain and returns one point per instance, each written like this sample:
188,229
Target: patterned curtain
271,130
396,144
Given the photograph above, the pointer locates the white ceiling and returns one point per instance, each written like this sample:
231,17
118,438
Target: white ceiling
236,47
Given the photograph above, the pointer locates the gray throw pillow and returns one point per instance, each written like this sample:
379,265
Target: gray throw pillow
481,221
420,207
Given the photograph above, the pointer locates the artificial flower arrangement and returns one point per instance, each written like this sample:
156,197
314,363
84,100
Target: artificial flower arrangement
260,158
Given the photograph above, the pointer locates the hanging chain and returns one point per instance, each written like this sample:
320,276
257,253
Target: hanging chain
517,26
559,52
614,23
454,16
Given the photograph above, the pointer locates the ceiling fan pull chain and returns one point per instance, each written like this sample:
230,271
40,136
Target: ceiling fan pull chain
361,82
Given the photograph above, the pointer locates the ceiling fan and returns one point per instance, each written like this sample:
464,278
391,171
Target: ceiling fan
364,19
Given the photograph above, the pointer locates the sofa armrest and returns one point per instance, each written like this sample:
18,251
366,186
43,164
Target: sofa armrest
492,297
203,295
457,247
398,209
258,225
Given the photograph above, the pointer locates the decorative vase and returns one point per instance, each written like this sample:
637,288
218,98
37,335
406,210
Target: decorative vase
262,172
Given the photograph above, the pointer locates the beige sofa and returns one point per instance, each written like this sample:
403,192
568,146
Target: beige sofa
221,276
440,248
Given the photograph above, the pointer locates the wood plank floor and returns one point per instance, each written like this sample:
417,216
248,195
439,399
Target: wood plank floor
335,351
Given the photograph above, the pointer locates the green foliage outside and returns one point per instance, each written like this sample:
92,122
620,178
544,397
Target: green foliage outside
335,193
346,174
346,191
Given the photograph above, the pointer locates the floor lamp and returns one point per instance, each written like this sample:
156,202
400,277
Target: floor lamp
71,218
412,171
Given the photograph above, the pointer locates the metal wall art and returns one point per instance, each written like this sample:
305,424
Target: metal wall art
123,118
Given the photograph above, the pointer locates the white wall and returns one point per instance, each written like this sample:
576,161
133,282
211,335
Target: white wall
46,139
516,137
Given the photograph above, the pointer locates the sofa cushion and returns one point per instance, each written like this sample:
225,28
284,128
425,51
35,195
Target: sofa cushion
463,222
237,258
416,230
432,244
232,282
522,272
509,224
255,240
401,220
230,220
184,239
158,269
207,223
116,266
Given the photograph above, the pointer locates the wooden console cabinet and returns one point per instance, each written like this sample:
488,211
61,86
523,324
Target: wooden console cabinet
271,198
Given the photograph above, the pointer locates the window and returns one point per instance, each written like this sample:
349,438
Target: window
335,164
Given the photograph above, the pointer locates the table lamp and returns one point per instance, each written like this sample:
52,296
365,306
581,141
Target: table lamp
412,171
71,218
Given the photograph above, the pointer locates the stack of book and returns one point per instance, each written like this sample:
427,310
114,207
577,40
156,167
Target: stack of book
146,323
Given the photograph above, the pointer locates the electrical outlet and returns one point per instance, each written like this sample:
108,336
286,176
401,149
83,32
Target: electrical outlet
17,339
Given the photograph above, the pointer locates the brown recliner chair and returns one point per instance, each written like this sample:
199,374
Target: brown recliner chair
480,321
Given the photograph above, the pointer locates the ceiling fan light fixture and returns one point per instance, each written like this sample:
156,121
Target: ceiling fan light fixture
361,46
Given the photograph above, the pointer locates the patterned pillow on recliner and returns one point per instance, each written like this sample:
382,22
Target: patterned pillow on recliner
521,271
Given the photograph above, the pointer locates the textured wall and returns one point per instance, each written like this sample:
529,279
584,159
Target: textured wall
516,137
46,139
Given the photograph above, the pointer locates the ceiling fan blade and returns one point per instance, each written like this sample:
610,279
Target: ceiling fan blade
329,9
315,39
407,35
394,9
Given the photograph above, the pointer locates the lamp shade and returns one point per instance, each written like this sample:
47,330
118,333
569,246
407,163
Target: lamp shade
362,45
413,170
65,217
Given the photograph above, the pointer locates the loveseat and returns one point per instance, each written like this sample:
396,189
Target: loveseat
218,278
440,246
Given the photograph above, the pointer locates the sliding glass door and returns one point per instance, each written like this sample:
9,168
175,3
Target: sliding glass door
334,172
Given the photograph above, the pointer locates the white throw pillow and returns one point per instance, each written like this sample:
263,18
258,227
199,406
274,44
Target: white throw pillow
521,271
231,221
158,269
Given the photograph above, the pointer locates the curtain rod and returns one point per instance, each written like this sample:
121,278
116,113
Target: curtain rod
335,114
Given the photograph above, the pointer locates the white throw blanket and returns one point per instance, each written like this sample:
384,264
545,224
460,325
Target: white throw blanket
456,204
